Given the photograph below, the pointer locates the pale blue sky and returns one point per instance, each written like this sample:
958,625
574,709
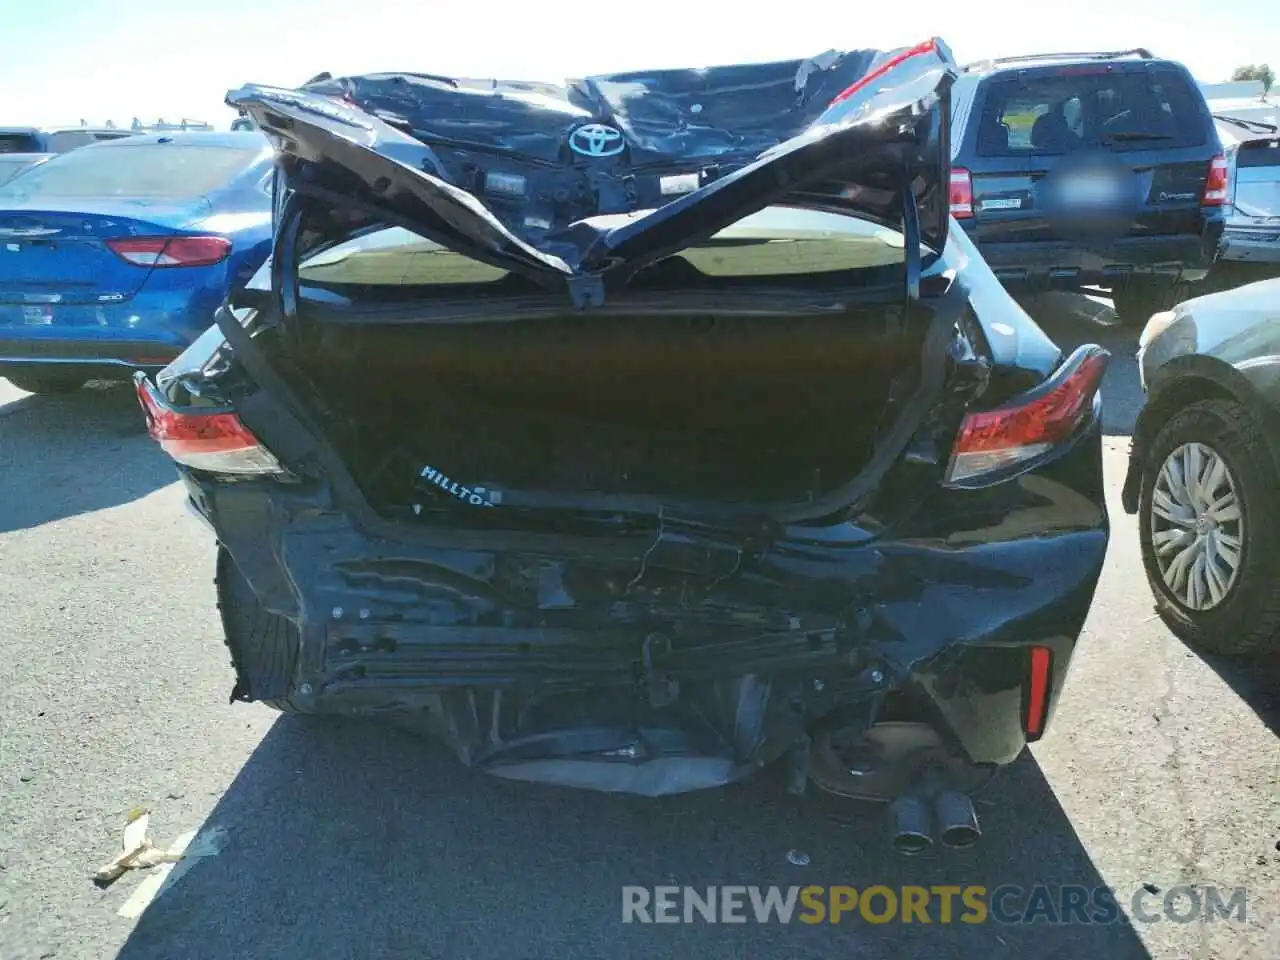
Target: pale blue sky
99,59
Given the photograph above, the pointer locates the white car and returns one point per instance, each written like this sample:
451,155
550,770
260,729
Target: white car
1252,233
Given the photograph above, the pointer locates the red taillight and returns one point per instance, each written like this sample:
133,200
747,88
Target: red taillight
171,251
992,441
1039,673
898,58
961,193
216,442
1215,184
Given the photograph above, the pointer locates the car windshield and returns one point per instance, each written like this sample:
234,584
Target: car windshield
777,241
1070,109
155,171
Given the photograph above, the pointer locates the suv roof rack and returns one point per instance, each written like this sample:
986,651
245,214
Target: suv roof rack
989,64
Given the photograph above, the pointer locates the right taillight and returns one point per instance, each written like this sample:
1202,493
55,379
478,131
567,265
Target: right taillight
992,442
1215,184
961,193
215,441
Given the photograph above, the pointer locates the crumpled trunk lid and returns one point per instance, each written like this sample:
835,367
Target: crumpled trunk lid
514,174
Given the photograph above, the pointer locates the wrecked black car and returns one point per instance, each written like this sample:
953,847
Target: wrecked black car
640,432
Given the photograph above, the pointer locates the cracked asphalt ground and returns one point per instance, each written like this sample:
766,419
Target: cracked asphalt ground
351,840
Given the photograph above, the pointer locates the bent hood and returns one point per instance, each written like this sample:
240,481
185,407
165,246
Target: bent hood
608,174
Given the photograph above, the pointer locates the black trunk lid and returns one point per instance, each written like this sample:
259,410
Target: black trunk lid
512,173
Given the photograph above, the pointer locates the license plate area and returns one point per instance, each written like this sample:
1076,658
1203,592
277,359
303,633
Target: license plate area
37,315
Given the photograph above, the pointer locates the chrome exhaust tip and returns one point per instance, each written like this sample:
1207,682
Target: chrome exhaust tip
909,822
957,820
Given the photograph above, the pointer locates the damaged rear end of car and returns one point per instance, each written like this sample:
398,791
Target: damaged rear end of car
639,433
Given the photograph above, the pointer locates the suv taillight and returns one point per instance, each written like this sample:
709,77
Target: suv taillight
961,193
991,442
216,440
1215,184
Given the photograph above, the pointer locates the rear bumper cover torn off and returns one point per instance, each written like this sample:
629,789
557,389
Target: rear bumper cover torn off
657,664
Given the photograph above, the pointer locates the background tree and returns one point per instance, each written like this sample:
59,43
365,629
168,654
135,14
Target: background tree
1260,71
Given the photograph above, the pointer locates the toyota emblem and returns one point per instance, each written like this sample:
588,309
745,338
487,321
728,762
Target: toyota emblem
597,140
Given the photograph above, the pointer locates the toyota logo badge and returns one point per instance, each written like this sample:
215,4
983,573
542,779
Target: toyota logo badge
597,140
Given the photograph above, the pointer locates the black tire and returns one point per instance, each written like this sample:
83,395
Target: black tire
1136,302
1247,620
45,383
263,645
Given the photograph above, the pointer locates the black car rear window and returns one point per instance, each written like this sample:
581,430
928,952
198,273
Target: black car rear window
19,143
1073,107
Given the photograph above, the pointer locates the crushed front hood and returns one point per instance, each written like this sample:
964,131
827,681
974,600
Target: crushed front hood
863,131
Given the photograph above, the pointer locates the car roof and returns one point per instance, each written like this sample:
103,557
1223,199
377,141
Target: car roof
67,129
1039,60
246,139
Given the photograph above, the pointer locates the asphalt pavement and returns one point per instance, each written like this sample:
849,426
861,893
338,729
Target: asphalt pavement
331,839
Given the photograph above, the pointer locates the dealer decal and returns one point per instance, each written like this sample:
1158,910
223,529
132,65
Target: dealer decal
477,497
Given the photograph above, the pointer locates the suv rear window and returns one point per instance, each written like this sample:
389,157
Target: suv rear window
1062,111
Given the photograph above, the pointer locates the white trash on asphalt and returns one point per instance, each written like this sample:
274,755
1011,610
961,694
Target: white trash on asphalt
140,853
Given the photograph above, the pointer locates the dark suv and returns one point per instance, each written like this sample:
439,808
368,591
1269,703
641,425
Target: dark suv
1089,170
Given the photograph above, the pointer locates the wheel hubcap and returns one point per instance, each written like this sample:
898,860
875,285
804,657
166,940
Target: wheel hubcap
1197,529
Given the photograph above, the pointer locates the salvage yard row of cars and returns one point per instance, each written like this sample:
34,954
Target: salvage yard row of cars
671,424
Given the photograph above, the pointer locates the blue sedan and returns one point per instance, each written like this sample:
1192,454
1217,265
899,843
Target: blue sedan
113,257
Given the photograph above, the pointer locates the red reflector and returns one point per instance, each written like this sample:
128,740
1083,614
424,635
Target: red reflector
1215,184
1038,691
171,251
896,60
961,193
217,442
993,440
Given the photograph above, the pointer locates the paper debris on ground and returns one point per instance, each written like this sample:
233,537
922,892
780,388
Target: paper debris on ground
138,851
186,850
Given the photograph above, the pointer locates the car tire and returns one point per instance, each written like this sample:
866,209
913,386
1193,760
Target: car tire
1246,618
1134,304
45,383
263,645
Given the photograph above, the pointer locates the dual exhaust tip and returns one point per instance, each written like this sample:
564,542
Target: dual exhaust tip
912,818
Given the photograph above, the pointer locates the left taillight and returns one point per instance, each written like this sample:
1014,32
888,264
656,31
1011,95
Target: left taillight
177,251
214,441
961,193
992,442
